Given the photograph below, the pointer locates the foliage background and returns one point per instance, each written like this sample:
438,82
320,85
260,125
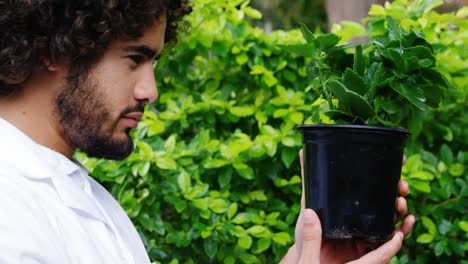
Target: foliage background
215,174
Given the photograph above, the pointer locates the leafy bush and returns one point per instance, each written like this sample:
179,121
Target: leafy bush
215,173
212,178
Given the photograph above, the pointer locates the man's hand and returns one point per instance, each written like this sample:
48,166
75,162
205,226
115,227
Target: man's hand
309,247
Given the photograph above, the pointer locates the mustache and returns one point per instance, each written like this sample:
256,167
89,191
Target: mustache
132,109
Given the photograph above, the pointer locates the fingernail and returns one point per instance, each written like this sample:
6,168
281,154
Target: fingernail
399,235
308,216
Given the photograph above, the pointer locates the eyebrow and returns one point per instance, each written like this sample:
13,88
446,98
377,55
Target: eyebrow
144,50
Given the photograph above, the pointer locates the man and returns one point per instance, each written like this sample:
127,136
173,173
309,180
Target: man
76,74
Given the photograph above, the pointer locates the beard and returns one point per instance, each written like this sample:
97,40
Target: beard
85,121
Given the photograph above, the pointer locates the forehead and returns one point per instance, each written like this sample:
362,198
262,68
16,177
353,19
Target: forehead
155,32
153,36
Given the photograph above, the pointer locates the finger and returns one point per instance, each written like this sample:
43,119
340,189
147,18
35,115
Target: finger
404,159
403,188
407,225
402,208
312,238
384,253
301,158
364,247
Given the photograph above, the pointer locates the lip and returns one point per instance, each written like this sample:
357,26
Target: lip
133,118
134,115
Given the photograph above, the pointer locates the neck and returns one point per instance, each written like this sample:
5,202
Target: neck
31,111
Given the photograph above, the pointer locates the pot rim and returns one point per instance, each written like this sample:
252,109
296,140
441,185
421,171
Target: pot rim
359,127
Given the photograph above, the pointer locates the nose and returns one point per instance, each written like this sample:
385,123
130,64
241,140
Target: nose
146,91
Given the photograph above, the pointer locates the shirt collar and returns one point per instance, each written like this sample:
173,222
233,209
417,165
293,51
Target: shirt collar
37,162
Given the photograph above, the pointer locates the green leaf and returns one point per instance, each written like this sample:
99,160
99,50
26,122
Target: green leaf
215,163
144,168
338,114
258,231
354,82
211,247
184,181
258,196
261,245
422,175
296,117
244,171
258,69
394,30
359,64
306,33
417,8
145,149
411,92
421,186
446,154
244,242
456,170
249,259
356,104
232,210
288,155
242,218
304,50
169,146
401,64
427,222
457,247
242,111
425,238
229,260
445,227
463,225
251,12
201,203
282,238
420,52
280,67
242,59
390,107
166,163
269,79
326,41
218,205
439,248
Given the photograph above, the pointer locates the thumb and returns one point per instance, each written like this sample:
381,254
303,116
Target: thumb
312,237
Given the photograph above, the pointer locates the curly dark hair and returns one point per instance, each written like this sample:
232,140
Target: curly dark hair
78,31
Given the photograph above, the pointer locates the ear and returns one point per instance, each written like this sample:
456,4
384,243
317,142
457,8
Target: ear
47,63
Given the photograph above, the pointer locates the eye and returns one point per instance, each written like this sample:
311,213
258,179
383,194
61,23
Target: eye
137,59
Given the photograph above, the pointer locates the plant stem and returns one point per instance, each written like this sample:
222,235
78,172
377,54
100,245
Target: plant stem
323,83
444,203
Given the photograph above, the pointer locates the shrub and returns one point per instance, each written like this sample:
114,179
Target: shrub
215,173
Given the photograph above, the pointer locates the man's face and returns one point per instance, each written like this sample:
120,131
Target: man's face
97,109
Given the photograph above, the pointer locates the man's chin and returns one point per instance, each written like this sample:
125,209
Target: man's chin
110,150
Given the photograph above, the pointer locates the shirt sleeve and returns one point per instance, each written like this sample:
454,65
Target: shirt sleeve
26,234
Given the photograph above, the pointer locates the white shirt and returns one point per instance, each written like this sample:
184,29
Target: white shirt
52,212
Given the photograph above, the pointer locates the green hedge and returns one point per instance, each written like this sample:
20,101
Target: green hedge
215,175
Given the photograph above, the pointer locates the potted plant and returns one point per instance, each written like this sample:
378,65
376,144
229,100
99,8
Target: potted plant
352,167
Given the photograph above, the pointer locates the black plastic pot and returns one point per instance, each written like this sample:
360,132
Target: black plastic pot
351,178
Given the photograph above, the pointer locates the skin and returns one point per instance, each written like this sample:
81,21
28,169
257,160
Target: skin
309,247
95,111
